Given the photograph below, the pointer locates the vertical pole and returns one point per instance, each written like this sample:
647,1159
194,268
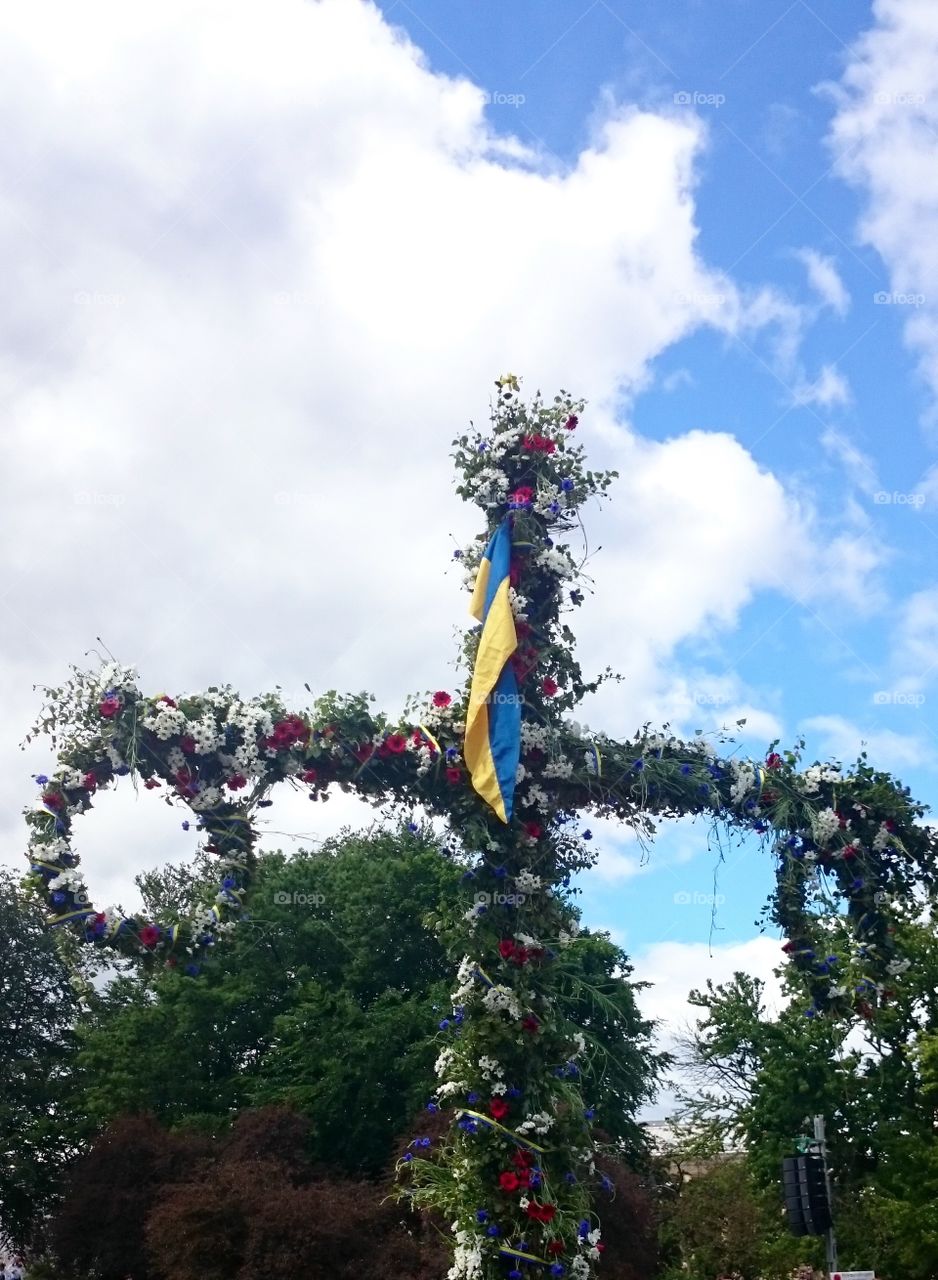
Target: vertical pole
831,1240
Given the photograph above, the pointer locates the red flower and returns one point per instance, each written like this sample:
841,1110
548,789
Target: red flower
506,948
395,743
523,1158
286,732
889,824
600,1247
849,852
508,1181
90,781
533,829
441,698
453,774
167,699
524,1177
149,935
773,761
309,775
364,752
571,422
498,1108
53,799
530,1023
187,742
237,781
549,686
151,783
788,948
522,496
109,707
554,1247
541,1212
842,820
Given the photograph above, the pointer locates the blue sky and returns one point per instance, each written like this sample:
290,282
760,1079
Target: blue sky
766,192
264,265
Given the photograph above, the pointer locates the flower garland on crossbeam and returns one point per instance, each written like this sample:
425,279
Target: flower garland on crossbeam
516,1174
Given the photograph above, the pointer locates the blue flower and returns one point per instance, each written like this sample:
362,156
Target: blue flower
412,826
452,753
810,1012
432,1106
569,1178
185,826
193,970
58,897
482,1215
124,768
685,769
638,764
444,1025
583,1229
535,1177
41,779
483,445
554,508
457,555
468,1125
515,1275
514,1092
493,1230
407,1157
606,1183
587,835
566,484
458,1014
500,873
576,597
589,1113
472,1099
831,960
556,1269
857,884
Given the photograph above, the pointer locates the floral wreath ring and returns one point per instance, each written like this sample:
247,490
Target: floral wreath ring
201,748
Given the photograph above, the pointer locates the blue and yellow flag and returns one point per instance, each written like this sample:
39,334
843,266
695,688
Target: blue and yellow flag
493,723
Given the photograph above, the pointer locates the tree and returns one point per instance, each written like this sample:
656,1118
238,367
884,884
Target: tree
38,1005
331,999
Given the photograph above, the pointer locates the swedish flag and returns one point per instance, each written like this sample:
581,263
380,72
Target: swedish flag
493,723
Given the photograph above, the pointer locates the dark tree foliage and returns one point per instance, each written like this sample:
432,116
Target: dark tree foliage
37,1008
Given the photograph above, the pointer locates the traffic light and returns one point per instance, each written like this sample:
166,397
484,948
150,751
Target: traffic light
805,1188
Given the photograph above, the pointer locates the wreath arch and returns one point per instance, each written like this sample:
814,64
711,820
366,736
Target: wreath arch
516,1174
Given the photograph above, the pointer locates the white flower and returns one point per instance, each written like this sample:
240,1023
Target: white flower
490,1068
896,967
559,768
824,824
525,882
500,999
882,838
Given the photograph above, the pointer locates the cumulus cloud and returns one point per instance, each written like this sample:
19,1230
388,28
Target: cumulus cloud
828,389
841,739
883,138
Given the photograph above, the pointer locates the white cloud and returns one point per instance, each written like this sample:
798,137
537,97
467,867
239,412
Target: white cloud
825,280
915,642
857,466
839,738
883,140
828,389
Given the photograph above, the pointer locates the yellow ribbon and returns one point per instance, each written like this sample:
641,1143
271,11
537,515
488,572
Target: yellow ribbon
484,976
78,914
427,734
49,866
508,1252
515,1137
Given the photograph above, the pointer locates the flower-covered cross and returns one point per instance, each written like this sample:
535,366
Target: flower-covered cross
516,1177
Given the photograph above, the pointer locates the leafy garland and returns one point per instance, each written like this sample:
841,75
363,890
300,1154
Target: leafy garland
516,1173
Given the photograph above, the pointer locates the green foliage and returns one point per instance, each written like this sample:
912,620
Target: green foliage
37,1007
329,998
